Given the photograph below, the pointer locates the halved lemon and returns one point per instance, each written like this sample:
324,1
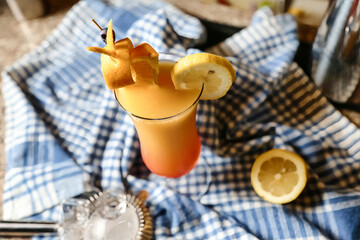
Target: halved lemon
279,176
215,72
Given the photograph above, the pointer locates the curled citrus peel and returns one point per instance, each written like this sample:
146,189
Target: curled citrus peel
122,64
144,64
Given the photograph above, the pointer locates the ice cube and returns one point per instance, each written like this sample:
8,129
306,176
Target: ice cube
74,216
95,228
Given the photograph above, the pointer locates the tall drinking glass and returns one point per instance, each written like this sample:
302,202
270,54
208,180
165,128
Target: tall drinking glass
165,120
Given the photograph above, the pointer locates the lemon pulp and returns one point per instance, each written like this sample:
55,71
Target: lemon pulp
214,72
279,176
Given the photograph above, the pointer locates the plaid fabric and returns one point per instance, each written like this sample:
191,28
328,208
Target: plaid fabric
65,131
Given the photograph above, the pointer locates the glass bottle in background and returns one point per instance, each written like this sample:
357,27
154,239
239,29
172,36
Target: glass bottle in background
335,54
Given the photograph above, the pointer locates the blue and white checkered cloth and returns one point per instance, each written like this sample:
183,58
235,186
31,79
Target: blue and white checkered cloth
65,131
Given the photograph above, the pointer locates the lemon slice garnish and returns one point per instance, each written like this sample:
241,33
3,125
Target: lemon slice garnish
279,176
215,72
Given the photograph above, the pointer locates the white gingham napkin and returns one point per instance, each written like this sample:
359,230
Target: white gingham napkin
65,131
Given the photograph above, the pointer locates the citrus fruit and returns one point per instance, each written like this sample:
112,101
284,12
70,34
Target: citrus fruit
214,72
115,61
144,64
279,176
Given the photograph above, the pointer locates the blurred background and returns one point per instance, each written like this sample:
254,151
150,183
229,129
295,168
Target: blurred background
20,34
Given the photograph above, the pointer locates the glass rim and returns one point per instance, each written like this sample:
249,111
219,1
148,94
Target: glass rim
172,116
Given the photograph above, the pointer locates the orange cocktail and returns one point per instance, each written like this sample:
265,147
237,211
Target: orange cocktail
165,120
162,98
